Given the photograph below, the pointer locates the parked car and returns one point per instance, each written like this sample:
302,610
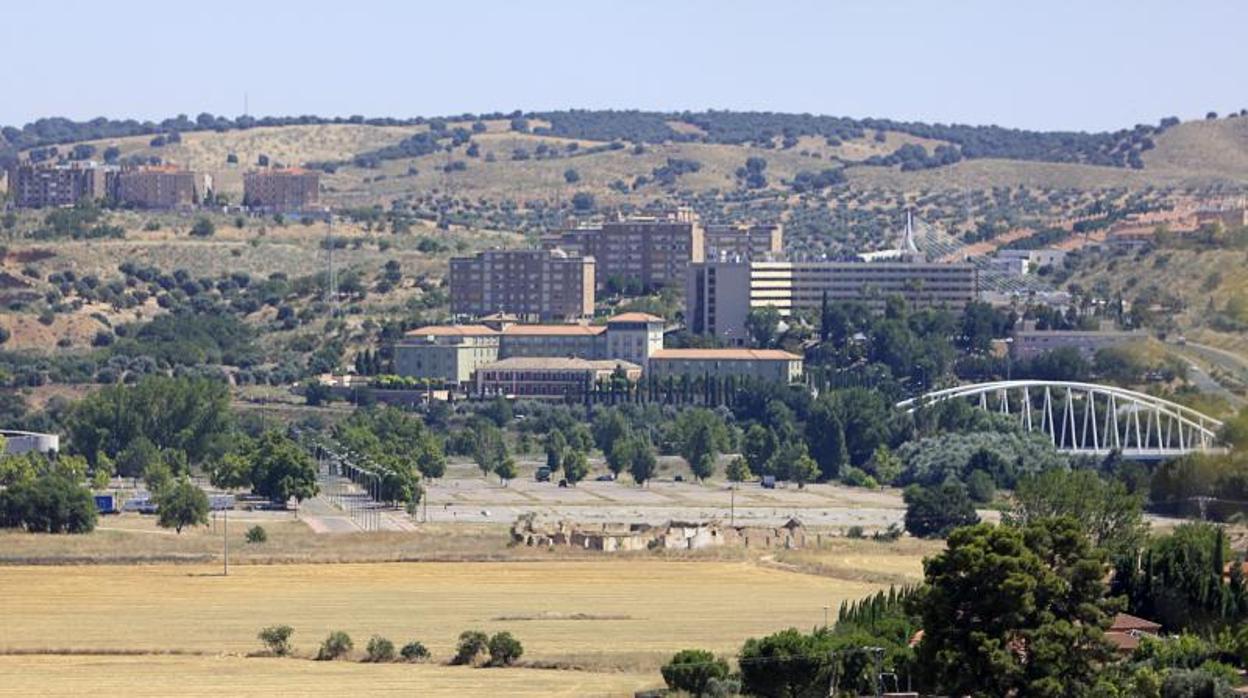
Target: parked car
106,504
769,482
542,474
605,478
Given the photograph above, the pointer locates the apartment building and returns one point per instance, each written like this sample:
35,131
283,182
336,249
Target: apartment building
56,185
549,378
1028,342
157,188
719,295
282,190
771,365
543,285
726,241
644,252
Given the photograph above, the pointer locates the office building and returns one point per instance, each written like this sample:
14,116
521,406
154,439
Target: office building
638,253
282,190
719,295
157,188
543,285
726,241
56,185
763,364
450,354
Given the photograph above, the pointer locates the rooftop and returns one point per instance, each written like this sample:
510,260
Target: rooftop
451,331
726,355
535,363
634,317
570,330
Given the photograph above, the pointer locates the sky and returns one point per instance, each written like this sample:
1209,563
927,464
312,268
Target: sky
1038,64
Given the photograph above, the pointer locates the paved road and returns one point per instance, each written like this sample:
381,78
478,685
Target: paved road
1225,360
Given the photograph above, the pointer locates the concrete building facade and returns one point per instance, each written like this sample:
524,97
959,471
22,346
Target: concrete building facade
546,378
648,252
450,354
57,185
1029,343
157,188
760,241
771,365
543,285
719,295
282,190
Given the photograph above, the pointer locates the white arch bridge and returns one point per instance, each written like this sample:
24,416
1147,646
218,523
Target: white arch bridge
1091,419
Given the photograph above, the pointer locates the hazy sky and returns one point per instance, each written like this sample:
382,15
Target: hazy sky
1049,64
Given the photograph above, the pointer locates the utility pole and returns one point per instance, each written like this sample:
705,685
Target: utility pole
225,542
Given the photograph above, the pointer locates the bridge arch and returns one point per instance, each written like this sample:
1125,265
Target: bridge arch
1089,418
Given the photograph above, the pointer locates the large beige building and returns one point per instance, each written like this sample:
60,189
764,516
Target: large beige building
290,189
531,284
729,241
646,252
450,354
157,188
55,185
532,377
764,364
719,295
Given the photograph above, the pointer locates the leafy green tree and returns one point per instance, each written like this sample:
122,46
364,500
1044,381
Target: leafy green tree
701,436
825,434
763,325
276,639
758,446
575,466
203,227
472,644
489,449
336,645
414,651
738,470
609,426
884,465
50,502
621,454
1015,611
691,671
504,649
786,663
137,457
379,650
556,445
1112,517
506,470
804,470
181,504
932,512
157,477
280,469
643,464
980,487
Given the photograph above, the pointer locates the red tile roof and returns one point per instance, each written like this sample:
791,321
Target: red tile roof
451,331
634,317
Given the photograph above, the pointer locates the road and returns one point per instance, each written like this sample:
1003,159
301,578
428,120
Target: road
1230,362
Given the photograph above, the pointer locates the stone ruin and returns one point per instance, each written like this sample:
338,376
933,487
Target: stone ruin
536,531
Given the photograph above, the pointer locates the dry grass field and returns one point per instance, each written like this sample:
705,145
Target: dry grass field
141,677
609,622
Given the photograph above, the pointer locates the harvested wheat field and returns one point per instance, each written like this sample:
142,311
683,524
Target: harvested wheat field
237,676
609,617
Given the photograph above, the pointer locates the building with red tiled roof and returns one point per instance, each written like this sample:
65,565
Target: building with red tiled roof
1126,630
545,378
766,364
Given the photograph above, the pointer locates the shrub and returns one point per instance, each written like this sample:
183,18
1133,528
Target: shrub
379,650
203,228
414,651
336,645
276,639
472,643
980,487
692,670
257,534
855,532
505,649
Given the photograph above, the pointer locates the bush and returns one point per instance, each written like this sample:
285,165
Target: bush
336,645
505,649
276,639
414,651
857,477
692,671
379,650
933,512
980,487
203,228
472,644
855,532
256,534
